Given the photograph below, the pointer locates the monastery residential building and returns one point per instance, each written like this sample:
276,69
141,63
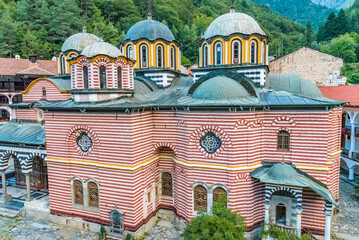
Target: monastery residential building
122,136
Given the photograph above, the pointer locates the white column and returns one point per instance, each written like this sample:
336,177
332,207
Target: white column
352,140
28,190
209,200
328,218
351,173
266,213
299,221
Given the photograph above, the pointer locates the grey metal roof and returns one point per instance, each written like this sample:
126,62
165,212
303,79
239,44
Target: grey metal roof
62,83
101,48
79,41
287,174
231,23
151,30
22,133
177,96
292,82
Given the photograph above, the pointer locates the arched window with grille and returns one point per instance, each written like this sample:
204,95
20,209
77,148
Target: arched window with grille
43,92
283,140
130,52
144,56
218,191
103,77
93,198
218,53
159,56
200,198
205,55
173,57
78,192
236,51
119,77
254,51
85,73
167,184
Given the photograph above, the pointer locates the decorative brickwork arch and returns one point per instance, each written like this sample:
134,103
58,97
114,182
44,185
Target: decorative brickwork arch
26,166
202,131
157,146
249,125
75,132
283,120
272,190
242,176
5,156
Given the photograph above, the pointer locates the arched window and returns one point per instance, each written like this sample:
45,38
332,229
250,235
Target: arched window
119,77
102,77
218,53
283,140
78,192
236,52
63,64
200,198
159,56
205,55
43,92
85,73
116,222
92,190
218,191
144,56
173,57
254,51
130,52
167,184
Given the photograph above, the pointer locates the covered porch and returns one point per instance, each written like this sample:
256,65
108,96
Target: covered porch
23,166
284,187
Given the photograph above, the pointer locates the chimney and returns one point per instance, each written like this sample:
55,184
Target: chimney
33,58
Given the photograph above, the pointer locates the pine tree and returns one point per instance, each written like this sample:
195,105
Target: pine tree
65,20
8,43
308,35
342,23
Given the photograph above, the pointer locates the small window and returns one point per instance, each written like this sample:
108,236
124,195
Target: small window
205,55
218,53
62,64
283,141
86,77
218,191
166,184
102,77
149,197
143,56
119,77
93,200
130,52
43,92
254,51
173,58
78,192
200,198
159,56
236,52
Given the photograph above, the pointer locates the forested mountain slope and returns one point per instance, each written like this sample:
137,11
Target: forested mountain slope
41,26
299,11
335,4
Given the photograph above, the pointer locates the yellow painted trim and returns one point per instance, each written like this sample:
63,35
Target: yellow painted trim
177,50
42,79
112,60
68,62
238,168
259,48
59,62
138,63
243,49
213,51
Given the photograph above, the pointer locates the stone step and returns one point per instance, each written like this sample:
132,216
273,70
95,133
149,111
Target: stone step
9,213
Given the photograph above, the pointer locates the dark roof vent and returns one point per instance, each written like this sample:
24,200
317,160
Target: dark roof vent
33,58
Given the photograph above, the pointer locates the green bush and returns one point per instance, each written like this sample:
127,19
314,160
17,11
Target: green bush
102,233
222,223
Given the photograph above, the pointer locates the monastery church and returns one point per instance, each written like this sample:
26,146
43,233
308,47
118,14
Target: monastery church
123,136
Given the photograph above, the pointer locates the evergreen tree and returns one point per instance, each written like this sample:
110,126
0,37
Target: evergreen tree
65,21
342,23
8,43
309,35
330,27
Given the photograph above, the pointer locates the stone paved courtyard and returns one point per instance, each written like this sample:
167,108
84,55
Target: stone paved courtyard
346,222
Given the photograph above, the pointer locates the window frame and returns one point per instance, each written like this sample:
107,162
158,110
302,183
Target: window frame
239,42
85,77
253,43
162,185
130,51
283,141
142,65
173,57
160,56
101,80
119,77
216,44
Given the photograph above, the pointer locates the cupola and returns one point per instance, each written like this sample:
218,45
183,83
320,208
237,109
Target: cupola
100,73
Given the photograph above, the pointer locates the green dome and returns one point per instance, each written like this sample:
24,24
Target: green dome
101,48
220,87
151,30
231,23
79,41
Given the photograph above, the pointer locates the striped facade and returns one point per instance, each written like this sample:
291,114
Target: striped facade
35,91
131,151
